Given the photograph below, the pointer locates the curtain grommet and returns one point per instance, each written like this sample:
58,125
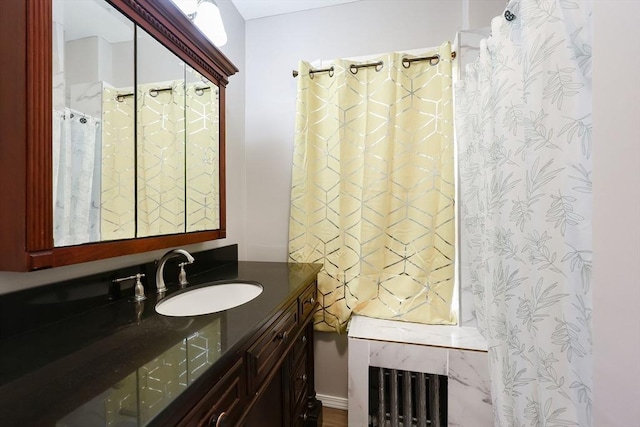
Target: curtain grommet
509,16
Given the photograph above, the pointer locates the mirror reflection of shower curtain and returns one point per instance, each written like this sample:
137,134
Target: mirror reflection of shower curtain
118,216
76,193
164,164
203,180
161,159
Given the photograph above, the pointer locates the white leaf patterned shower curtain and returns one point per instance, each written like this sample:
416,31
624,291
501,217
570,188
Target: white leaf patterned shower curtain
372,189
76,177
523,121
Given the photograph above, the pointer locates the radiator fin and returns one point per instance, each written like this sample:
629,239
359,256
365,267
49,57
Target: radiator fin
406,399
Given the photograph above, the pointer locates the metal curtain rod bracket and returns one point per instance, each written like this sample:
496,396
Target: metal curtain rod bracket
329,70
433,60
355,67
154,92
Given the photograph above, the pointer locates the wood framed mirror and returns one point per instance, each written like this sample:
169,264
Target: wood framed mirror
156,174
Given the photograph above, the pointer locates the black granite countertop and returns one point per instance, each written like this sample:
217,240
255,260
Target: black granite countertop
120,363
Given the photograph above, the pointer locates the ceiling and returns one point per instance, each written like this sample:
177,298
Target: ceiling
254,9
87,16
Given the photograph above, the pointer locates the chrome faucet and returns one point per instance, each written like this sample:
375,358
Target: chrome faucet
160,268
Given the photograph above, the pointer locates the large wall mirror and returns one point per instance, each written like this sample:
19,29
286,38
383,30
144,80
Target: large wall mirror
136,139
113,130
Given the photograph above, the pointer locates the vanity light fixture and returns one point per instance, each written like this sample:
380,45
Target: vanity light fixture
205,14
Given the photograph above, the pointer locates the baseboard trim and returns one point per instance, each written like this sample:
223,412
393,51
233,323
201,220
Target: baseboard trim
333,401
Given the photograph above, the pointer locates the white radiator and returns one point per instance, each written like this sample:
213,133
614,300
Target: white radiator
458,354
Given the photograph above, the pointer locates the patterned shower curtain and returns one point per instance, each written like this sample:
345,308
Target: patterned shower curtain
76,176
118,219
161,158
203,154
372,189
177,142
523,121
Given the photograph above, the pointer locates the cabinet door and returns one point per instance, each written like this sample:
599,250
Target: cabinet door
269,409
224,404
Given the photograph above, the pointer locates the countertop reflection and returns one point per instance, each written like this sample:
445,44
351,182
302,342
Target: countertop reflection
123,364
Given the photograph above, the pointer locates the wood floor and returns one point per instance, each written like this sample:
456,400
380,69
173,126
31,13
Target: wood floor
334,417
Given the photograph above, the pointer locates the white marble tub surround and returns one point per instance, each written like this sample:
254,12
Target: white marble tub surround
457,352
462,337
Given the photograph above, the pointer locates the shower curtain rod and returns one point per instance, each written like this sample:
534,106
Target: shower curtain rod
406,63
121,96
200,90
153,92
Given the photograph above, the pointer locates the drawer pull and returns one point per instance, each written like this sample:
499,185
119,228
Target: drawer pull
312,301
304,416
303,377
218,420
283,336
304,339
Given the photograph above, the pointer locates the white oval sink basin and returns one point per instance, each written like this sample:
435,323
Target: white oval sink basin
209,299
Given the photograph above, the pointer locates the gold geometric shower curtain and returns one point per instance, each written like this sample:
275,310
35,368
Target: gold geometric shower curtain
372,194
203,153
117,205
161,159
177,143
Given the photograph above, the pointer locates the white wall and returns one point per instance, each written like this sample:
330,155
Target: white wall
274,47
235,51
616,223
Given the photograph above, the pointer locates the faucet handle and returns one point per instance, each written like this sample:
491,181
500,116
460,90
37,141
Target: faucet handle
182,276
124,279
139,289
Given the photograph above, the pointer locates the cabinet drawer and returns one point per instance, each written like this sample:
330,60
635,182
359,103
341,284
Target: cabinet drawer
307,301
222,402
270,347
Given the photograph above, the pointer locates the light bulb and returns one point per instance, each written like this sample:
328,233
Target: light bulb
187,7
209,21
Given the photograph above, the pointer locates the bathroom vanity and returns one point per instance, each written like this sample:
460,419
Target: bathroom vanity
90,81
120,363
86,84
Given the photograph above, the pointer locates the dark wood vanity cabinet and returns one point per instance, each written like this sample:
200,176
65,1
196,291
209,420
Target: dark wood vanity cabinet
271,383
